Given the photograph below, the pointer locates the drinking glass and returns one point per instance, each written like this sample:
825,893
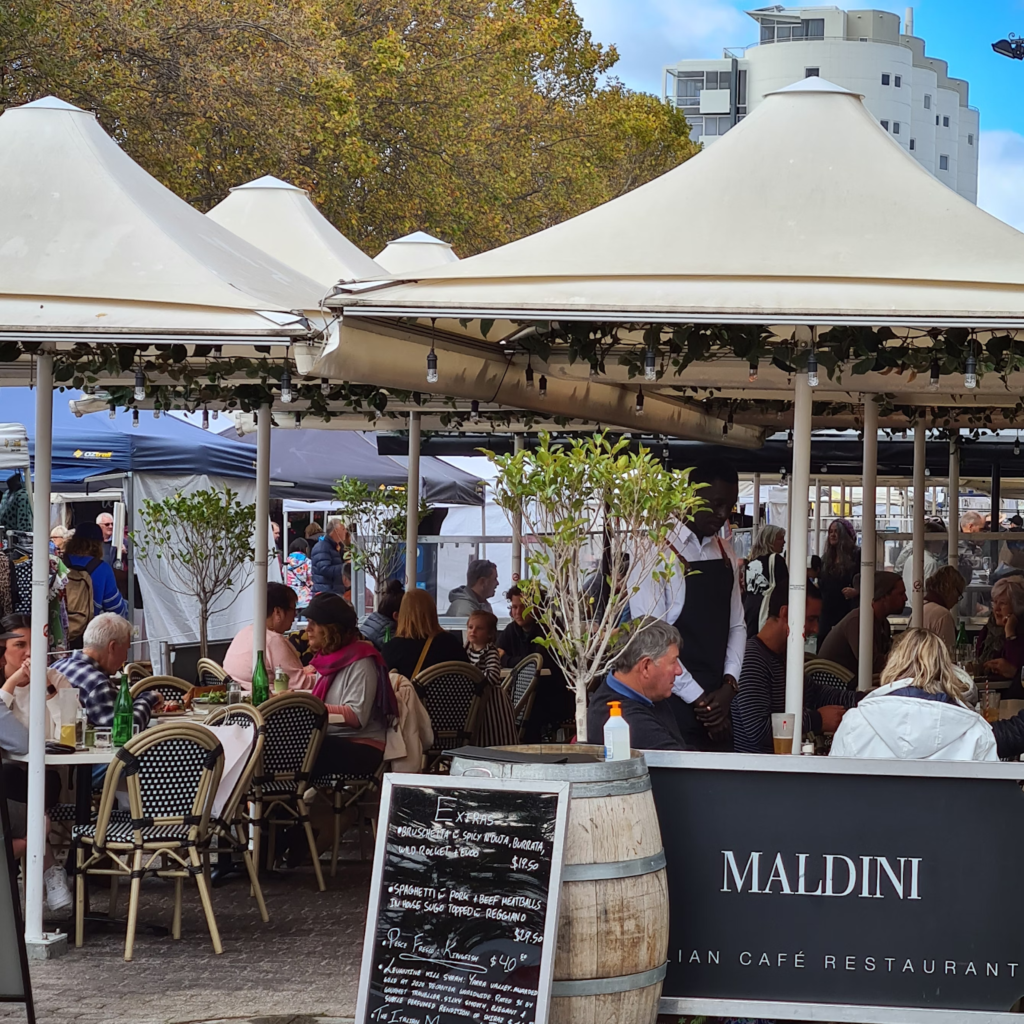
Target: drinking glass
103,741
782,733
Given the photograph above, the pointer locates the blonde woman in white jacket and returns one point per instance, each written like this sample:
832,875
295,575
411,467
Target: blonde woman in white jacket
918,712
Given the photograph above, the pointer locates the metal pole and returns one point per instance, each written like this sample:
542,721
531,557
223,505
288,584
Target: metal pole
755,519
817,515
917,555
412,501
888,505
36,831
259,582
953,500
129,555
517,524
996,498
799,485
866,653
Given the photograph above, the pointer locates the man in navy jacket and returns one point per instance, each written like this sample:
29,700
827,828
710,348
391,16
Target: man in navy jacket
328,559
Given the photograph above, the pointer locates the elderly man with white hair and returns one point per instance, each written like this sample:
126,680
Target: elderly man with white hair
105,646
105,521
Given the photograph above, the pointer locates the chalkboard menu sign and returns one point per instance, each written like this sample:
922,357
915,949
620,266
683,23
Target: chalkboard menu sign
463,910
15,986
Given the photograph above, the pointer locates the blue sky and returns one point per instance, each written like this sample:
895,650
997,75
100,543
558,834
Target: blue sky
652,33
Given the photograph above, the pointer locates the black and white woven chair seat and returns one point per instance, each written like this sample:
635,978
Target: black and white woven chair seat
826,679
287,735
447,699
521,681
169,775
123,832
62,812
272,786
333,781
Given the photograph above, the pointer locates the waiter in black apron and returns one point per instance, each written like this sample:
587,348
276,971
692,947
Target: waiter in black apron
704,602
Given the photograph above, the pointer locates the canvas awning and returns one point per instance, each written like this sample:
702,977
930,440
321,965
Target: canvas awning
13,446
92,245
281,220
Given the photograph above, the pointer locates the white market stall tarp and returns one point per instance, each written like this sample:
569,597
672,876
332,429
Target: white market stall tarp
280,219
94,244
807,211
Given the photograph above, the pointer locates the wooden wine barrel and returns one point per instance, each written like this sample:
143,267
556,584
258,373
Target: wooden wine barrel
613,920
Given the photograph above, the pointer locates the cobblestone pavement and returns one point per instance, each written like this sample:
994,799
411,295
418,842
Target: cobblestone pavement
302,966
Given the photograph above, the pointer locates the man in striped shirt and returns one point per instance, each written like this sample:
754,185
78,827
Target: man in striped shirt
762,689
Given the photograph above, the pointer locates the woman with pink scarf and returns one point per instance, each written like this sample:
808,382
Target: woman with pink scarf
353,682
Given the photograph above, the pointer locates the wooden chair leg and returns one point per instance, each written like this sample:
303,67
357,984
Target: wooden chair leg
204,895
133,904
311,839
254,881
337,832
271,843
256,833
176,921
79,898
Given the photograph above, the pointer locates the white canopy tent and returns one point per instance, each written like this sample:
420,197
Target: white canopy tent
415,252
810,215
94,249
281,220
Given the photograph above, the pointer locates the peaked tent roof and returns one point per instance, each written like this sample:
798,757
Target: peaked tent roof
415,252
314,459
91,243
280,219
809,212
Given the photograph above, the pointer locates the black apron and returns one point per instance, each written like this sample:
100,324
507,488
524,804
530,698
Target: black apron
703,625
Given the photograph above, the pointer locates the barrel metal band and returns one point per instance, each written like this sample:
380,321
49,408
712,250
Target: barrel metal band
608,986
614,868
620,787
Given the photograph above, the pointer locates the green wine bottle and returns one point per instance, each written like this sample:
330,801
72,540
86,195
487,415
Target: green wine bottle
124,716
961,635
260,682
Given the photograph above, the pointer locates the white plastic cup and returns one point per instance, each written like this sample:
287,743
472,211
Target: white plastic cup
783,726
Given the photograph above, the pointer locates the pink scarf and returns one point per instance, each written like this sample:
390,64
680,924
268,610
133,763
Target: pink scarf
329,665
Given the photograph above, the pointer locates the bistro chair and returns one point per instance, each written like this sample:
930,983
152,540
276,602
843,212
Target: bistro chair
169,687
171,773
294,727
137,670
231,827
209,673
522,685
822,672
345,791
450,692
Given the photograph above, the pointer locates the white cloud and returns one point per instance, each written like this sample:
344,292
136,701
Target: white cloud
1001,176
652,33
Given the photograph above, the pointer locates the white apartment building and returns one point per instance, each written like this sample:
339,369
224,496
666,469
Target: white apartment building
910,93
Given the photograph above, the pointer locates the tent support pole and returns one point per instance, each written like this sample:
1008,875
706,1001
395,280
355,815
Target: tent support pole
412,502
799,486
755,519
517,525
866,654
129,556
259,583
953,499
817,515
36,831
917,554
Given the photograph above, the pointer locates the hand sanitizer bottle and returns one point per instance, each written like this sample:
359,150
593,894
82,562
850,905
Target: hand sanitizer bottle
616,735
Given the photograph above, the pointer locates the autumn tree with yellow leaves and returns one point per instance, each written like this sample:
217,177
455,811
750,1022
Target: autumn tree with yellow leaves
477,120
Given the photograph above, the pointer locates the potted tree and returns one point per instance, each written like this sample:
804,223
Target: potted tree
203,542
600,516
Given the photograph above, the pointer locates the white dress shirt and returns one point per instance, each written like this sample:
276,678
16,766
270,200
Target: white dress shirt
666,600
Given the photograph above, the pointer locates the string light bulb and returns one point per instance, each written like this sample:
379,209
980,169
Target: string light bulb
286,385
156,413
752,375
113,413
474,410
542,386
812,369
1016,445
325,386
650,365
529,373
215,414
640,402
431,366
140,385
206,418
789,439
971,373
298,419
135,418
933,376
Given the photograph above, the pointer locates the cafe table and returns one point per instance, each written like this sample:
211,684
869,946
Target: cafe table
81,763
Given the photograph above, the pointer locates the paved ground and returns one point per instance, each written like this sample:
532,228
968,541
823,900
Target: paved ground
302,966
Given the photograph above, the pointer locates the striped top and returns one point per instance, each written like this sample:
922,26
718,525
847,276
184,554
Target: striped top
487,660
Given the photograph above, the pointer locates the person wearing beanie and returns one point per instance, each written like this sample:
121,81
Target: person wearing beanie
84,550
16,508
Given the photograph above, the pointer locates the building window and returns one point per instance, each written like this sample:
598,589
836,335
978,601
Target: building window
898,81
945,122
970,140
886,78
927,102
943,162
885,125
936,120
696,127
812,72
913,144
741,88
895,127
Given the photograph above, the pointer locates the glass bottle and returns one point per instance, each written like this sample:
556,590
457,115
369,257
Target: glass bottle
124,716
260,682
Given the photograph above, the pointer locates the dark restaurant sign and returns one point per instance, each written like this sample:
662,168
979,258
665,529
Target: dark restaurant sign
797,882
463,907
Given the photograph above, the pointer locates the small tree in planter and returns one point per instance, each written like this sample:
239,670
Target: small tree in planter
379,517
570,494
203,540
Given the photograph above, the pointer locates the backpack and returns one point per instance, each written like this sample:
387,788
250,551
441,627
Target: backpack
78,597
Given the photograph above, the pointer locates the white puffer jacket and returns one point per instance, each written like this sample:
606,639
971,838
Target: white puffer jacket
913,728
